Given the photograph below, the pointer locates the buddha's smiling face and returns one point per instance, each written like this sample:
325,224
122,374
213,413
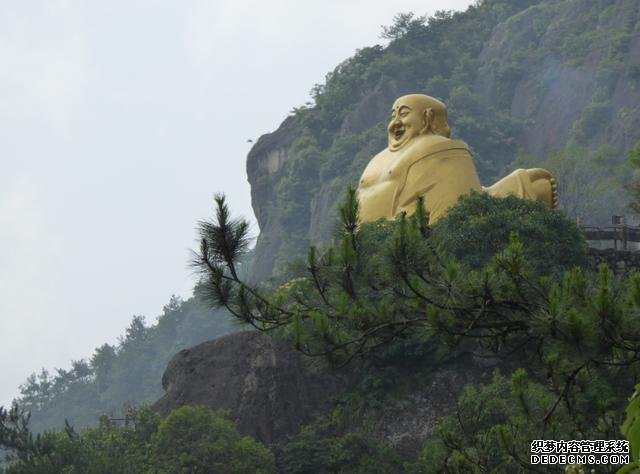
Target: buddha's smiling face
407,121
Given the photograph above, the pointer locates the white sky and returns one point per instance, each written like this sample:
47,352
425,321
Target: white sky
119,120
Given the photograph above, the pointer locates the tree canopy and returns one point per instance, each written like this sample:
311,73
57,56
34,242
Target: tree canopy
191,439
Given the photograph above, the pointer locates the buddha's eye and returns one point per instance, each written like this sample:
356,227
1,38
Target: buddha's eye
404,113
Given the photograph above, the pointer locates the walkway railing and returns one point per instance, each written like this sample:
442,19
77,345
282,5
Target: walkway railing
618,236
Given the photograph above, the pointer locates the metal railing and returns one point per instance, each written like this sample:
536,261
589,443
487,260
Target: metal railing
618,236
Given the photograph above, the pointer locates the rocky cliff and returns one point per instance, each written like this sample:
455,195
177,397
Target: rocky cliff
519,77
259,380
262,383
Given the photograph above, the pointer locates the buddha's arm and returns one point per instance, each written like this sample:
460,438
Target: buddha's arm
441,178
536,184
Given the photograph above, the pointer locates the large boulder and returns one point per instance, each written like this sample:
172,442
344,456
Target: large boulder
270,395
260,380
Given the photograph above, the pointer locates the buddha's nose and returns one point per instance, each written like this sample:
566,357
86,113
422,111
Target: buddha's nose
393,124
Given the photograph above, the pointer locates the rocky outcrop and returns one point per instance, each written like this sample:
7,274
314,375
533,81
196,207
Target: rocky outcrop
265,159
261,381
405,422
264,163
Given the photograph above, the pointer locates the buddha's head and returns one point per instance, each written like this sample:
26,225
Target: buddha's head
413,115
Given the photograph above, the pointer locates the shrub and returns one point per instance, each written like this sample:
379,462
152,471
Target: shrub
199,440
480,226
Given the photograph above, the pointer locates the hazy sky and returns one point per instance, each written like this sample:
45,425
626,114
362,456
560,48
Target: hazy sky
119,120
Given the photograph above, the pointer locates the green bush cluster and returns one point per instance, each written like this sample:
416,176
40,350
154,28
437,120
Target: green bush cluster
481,226
191,439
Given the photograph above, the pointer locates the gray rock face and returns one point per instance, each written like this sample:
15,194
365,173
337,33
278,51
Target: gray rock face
260,380
262,383
405,422
264,164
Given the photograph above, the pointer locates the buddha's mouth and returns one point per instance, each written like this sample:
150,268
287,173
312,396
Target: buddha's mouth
398,132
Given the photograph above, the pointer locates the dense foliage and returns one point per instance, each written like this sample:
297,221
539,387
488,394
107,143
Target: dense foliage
325,447
480,227
575,336
384,280
191,439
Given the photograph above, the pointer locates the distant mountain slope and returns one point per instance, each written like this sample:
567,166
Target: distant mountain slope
519,77
128,373
570,70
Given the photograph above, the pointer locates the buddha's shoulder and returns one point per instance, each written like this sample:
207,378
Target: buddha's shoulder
426,145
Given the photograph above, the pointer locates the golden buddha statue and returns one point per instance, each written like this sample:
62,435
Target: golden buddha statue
421,160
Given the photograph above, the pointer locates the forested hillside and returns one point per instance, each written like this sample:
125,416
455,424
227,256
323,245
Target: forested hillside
552,83
128,373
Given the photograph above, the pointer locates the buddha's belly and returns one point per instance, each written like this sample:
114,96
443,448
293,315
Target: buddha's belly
376,201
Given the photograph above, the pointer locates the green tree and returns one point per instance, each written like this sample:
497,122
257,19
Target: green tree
190,439
110,447
404,24
199,440
323,447
493,427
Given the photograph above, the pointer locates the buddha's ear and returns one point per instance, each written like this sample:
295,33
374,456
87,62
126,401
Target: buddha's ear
427,118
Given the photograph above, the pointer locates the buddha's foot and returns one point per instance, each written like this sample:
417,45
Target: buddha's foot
544,186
